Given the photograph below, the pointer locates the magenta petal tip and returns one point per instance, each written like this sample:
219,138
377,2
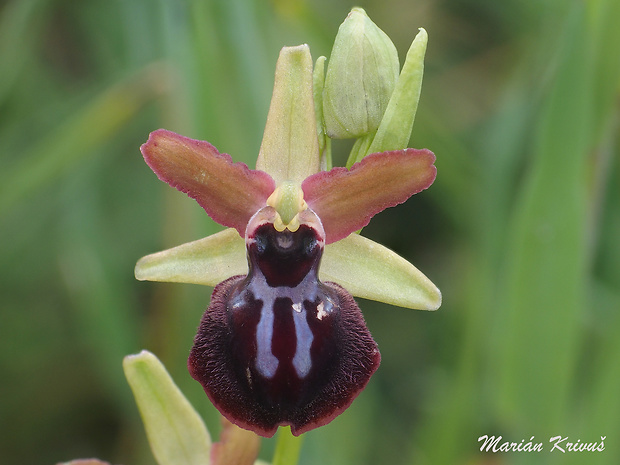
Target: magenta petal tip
229,192
346,200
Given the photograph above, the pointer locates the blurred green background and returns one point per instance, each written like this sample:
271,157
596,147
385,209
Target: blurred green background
520,231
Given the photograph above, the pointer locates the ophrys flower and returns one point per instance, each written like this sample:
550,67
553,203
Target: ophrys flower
283,341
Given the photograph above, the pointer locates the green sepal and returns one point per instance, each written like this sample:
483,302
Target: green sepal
371,271
366,269
176,433
207,261
290,146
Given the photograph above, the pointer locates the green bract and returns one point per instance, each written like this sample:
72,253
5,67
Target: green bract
395,128
176,433
174,429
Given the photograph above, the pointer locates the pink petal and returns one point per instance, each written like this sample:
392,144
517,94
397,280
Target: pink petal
229,192
346,200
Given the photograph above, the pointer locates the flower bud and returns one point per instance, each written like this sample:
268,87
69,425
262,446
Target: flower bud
361,75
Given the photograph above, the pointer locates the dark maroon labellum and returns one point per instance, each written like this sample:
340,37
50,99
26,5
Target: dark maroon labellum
279,347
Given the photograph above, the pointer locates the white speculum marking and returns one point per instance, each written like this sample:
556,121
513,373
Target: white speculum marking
266,362
302,360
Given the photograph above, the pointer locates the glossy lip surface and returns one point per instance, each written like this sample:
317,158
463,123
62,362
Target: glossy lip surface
279,347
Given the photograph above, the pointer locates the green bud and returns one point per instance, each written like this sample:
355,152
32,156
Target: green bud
361,75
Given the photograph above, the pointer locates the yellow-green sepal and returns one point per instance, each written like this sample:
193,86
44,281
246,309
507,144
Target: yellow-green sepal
371,271
290,146
207,261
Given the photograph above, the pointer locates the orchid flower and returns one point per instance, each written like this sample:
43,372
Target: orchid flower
283,342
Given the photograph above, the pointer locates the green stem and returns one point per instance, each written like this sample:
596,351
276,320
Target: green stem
287,448
360,149
326,156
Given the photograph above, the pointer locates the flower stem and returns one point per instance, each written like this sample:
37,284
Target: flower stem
287,448
360,149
